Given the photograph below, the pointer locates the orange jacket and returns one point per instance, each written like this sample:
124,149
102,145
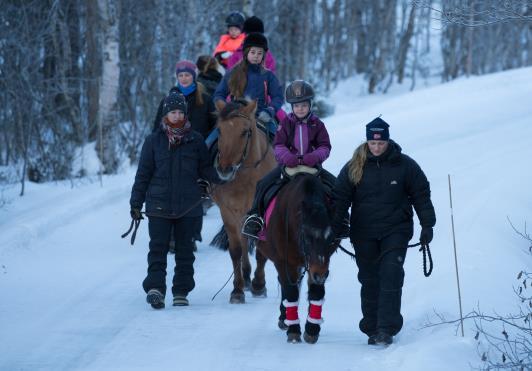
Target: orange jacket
227,44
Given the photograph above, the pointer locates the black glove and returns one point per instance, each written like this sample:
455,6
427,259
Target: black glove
341,229
136,214
205,187
425,237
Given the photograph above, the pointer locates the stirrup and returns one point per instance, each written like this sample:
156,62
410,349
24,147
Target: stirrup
252,226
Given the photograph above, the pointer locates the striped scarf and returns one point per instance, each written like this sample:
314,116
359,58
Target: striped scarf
174,132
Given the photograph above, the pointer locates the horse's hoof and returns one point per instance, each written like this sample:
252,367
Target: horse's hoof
258,293
293,338
283,326
310,339
237,298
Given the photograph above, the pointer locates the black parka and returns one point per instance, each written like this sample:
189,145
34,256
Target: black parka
202,117
166,177
382,202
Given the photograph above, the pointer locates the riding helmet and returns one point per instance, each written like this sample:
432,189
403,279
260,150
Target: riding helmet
235,19
255,39
299,91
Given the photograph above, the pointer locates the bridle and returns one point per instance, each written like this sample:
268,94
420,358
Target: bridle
245,152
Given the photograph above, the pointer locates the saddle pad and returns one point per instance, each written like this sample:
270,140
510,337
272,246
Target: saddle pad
267,215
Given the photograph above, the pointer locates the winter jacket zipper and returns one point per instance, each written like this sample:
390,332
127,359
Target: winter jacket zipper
301,139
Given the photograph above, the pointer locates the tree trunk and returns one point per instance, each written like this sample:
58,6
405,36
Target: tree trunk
108,107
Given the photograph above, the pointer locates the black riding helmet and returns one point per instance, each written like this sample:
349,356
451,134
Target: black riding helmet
255,39
299,91
235,19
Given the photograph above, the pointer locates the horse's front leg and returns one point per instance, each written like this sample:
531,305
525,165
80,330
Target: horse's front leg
235,251
316,293
246,264
288,276
258,284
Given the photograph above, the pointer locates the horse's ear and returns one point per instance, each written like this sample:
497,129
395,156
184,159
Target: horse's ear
251,108
219,104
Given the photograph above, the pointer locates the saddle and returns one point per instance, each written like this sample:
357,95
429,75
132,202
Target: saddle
288,173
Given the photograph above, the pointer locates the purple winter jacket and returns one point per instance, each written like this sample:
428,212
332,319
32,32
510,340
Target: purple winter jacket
301,142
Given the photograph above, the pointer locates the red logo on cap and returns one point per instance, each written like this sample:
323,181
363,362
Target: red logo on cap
376,136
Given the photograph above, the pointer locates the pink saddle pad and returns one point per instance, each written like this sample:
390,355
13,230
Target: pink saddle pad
267,215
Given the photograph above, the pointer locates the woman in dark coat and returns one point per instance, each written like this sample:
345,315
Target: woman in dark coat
172,160
380,185
201,111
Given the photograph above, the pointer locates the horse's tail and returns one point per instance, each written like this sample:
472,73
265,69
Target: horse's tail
221,240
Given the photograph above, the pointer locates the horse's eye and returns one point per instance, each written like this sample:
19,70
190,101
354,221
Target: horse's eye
244,133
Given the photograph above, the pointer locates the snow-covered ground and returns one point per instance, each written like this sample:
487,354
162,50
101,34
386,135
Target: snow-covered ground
70,288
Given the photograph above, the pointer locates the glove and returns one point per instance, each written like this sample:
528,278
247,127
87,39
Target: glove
310,159
291,160
264,116
226,55
136,214
205,187
425,237
341,229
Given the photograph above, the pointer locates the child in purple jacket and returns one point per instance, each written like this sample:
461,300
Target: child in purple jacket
301,139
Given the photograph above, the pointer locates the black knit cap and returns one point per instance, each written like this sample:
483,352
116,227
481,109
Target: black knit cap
174,101
255,39
377,130
253,24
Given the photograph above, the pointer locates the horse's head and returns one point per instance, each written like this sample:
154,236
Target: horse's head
236,123
316,236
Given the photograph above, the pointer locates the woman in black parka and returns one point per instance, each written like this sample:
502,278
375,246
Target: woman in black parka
172,160
380,185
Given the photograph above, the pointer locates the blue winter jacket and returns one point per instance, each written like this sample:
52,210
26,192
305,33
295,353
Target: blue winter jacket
255,88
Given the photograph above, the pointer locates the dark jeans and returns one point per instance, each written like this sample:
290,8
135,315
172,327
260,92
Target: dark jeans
382,282
185,230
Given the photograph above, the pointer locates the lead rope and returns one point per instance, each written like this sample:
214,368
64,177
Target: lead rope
425,249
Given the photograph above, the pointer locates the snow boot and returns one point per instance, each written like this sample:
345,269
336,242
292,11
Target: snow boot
155,298
372,339
180,300
383,338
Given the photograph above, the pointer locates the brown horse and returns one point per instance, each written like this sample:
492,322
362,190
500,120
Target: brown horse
244,157
299,238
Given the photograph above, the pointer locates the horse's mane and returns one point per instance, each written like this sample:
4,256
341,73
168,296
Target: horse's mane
314,201
231,109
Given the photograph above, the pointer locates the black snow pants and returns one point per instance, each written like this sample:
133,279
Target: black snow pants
185,229
380,263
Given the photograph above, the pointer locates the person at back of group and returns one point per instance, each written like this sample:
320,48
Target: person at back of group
232,39
201,111
249,79
252,24
209,73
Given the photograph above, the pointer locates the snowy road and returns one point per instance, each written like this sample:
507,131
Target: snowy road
71,296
